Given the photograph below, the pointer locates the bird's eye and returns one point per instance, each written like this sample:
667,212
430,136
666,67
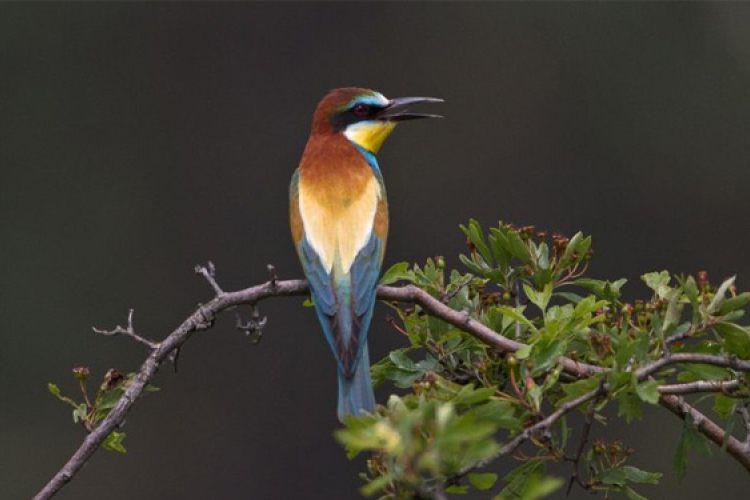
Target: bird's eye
361,109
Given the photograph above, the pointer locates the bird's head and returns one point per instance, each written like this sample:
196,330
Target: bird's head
364,116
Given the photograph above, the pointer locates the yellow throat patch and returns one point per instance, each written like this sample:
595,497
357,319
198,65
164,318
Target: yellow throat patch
370,134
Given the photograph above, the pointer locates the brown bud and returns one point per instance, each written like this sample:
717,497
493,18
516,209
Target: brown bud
81,372
112,378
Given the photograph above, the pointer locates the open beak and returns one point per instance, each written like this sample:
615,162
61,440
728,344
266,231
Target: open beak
397,109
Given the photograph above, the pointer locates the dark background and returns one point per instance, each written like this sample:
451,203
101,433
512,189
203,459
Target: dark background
137,140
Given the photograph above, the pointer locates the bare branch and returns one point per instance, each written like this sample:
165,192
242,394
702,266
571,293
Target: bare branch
128,332
209,272
706,359
725,386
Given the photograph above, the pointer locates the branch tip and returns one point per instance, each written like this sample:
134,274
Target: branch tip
209,273
128,331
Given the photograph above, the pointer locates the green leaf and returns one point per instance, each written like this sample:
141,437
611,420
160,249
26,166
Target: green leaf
680,460
690,439
736,339
534,487
674,311
718,300
517,247
633,495
579,388
397,272
53,389
734,303
701,372
457,489
615,476
483,481
724,406
113,442
375,485
539,299
80,413
571,248
658,282
630,406
648,391
517,314
636,475
468,396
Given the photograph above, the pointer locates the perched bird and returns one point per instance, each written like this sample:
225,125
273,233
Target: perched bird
339,221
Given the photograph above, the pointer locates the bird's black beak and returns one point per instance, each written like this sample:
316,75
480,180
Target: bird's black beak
396,110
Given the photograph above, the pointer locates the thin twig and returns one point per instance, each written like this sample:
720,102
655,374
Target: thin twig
542,425
128,332
581,445
209,272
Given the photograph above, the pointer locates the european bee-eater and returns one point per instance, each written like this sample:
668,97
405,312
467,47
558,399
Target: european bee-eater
339,220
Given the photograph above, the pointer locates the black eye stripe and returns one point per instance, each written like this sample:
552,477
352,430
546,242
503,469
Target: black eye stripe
357,113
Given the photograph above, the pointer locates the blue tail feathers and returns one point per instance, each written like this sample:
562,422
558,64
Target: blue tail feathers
355,393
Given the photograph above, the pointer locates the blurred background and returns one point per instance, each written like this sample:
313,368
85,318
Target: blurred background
139,139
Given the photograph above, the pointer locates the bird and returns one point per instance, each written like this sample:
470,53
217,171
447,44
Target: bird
339,223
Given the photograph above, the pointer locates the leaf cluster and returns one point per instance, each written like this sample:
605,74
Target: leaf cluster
584,349
90,412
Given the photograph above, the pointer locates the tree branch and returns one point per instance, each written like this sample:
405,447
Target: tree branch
203,318
708,428
700,386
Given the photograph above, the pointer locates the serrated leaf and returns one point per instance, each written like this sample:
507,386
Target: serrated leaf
630,406
690,439
658,282
482,481
539,298
648,391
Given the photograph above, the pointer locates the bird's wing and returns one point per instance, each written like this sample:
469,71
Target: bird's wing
343,286
344,304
